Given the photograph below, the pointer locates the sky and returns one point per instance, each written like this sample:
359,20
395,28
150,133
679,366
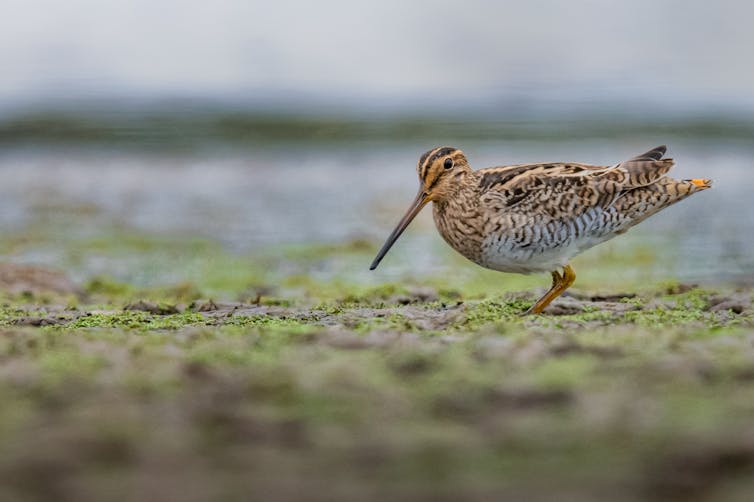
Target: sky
379,53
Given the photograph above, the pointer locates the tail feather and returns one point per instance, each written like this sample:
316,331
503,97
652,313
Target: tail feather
638,204
647,189
700,183
641,173
655,153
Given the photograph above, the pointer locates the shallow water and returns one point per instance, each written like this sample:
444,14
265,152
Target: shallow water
253,199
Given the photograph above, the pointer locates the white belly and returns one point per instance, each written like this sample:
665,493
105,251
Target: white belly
505,255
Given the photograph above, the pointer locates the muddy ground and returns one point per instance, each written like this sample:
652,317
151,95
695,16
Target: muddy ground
389,392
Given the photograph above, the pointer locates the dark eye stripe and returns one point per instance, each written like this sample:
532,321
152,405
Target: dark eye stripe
426,160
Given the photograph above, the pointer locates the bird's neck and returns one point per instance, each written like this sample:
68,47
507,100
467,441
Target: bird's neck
458,217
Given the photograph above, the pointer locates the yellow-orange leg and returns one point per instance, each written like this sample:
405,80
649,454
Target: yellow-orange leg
559,284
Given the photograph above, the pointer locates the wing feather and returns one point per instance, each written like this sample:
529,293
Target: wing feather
655,153
564,191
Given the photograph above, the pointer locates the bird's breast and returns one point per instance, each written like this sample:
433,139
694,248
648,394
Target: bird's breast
462,228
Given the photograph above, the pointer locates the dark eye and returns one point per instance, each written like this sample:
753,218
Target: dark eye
448,163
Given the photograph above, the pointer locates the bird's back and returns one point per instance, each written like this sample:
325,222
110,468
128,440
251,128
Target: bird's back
536,217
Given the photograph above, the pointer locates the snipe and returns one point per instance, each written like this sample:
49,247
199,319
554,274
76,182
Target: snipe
536,217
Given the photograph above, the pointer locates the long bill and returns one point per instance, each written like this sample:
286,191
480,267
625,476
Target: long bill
416,206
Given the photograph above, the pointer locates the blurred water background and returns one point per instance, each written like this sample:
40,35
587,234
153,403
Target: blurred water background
256,125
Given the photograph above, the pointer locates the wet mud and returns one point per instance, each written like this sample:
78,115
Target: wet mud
404,393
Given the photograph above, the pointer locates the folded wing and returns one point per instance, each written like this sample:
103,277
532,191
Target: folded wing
572,201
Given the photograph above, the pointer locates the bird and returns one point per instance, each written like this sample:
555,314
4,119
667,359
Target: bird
534,218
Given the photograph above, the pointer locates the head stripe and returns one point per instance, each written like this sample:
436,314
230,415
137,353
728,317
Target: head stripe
426,160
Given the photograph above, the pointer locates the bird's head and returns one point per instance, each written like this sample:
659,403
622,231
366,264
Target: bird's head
440,170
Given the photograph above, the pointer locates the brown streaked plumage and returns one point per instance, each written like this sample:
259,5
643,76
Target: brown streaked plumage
536,217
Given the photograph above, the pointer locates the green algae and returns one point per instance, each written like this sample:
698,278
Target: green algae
242,370
585,404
